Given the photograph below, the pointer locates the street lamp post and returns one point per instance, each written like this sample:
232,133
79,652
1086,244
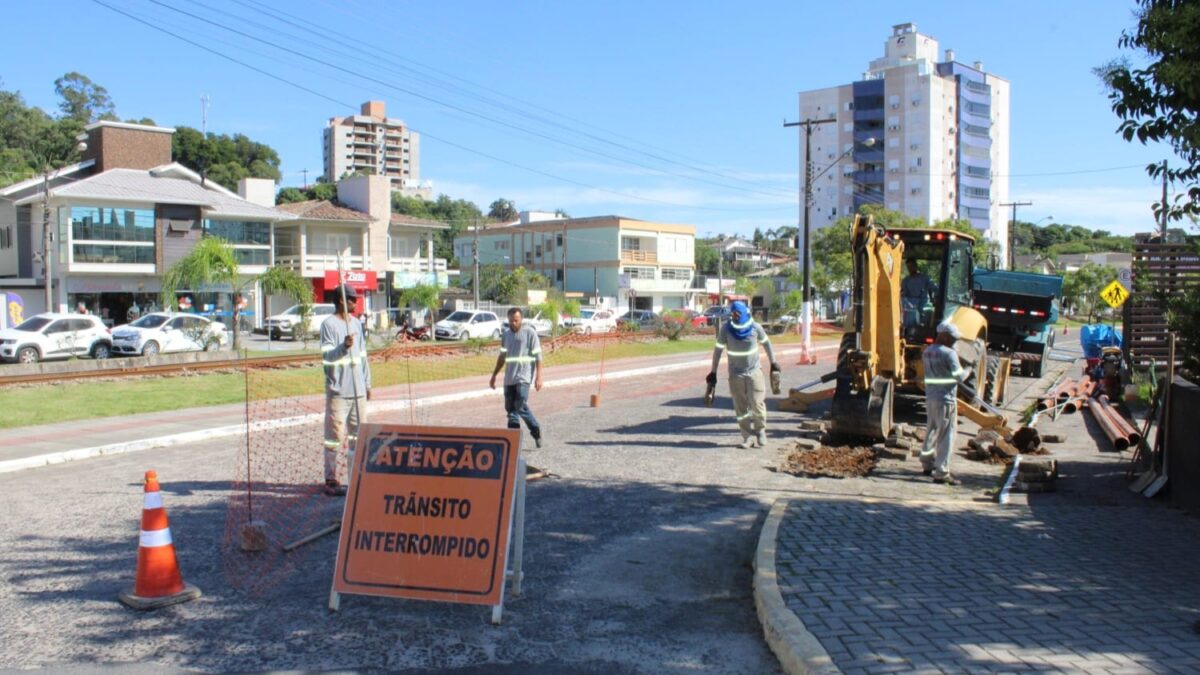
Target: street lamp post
807,356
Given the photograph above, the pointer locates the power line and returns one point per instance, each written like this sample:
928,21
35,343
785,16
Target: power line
445,104
426,134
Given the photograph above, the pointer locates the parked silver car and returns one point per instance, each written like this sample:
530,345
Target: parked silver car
165,332
55,336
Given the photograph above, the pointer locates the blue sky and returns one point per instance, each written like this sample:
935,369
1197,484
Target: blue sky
660,110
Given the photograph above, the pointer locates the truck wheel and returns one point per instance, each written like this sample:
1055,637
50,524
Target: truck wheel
989,385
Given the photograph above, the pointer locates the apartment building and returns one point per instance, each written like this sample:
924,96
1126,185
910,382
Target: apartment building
382,252
374,144
651,265
119,219
940,133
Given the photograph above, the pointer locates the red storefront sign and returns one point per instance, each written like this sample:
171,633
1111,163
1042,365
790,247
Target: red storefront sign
363,281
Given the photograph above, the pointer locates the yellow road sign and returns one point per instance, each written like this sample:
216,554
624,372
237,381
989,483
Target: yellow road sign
1114,294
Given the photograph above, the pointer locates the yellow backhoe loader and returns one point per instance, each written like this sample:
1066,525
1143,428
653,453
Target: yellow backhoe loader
906,282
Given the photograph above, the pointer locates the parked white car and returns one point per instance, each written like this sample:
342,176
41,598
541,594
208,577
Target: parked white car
465,324
55,336
166,332
285,324
593,321
541,324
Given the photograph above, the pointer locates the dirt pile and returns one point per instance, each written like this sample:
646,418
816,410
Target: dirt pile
837,462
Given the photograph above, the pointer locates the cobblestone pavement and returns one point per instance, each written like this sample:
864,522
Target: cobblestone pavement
931,579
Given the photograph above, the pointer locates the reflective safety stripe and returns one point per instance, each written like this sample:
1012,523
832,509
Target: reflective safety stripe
343,361
332,445
720,346
957,372
940,380
745,353
536,351
153,500
740,326
742,417
155,538
764,340
325,348
520,359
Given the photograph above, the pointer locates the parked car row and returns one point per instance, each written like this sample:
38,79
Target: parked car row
51,335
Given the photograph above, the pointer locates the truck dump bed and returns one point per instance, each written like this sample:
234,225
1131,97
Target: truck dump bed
1017,299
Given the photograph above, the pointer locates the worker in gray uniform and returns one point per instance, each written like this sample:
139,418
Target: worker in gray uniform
739,338
347,385
943,374
521,358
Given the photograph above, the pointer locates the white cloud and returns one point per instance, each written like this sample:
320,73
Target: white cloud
1118,209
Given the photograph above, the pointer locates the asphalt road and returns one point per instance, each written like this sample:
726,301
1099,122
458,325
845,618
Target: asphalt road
637,559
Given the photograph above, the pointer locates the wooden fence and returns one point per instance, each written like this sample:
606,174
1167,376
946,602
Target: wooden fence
1160,268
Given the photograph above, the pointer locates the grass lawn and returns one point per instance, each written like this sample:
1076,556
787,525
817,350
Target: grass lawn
46,404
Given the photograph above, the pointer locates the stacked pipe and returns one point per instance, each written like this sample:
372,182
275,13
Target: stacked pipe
1083,391
1120,432
1056,396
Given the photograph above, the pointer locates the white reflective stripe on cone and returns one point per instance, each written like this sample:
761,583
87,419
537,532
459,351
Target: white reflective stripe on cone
155,538
153,500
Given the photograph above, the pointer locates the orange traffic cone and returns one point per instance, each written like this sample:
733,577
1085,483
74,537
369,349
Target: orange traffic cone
158,581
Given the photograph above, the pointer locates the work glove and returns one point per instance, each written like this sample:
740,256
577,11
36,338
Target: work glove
711,379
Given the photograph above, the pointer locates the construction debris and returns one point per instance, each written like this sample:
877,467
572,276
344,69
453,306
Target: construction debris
1053,438
890,452
812,425
840,462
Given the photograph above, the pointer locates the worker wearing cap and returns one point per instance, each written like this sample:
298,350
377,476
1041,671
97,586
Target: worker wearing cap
943,374
739,337
347,385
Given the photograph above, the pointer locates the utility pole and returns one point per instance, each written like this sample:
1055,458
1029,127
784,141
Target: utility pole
475,277
203,133
1162,229
47,241
806,353
305,171
720,278
1012,232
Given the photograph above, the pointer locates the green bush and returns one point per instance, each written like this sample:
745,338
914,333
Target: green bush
674,325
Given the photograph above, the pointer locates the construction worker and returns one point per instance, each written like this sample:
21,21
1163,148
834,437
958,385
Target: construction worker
347,385
740,336
521,358
916,290
943,374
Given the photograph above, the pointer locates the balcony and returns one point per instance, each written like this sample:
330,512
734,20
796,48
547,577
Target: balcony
639,256
416,264
315,264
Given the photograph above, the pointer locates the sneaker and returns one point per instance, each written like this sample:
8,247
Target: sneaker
334,489
762,439
747,442
948,480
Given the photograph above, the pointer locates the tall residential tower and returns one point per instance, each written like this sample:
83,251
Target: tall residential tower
375,144
941,133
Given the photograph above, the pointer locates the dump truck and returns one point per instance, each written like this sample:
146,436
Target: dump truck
1021,309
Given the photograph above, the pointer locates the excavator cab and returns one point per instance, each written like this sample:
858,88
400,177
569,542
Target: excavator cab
937,280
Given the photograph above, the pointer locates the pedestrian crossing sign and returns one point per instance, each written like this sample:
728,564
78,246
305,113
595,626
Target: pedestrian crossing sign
1114,294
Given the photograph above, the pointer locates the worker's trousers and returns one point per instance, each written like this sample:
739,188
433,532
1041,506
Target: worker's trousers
749,394
939,436
342,417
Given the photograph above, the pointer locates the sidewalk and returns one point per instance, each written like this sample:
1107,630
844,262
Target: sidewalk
909,576
28,447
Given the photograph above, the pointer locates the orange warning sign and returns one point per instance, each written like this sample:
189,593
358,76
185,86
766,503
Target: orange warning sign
427,514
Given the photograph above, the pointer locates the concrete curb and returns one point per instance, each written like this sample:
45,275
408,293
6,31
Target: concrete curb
376,407
797,650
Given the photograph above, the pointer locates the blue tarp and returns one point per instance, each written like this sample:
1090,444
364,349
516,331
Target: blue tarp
1096,336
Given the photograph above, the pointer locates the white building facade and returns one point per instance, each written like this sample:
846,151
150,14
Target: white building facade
941,139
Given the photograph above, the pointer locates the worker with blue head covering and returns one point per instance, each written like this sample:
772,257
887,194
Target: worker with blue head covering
739,338
943,374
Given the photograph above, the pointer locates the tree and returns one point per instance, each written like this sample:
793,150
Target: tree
423,296
213,262
513,288
222,158
1161,102
1081,288
503,210
83,100
285,281
707,258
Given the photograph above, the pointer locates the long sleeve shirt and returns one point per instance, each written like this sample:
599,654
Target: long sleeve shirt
943,373
347,371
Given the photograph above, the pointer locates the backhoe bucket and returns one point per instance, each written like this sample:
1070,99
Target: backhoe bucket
865,415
